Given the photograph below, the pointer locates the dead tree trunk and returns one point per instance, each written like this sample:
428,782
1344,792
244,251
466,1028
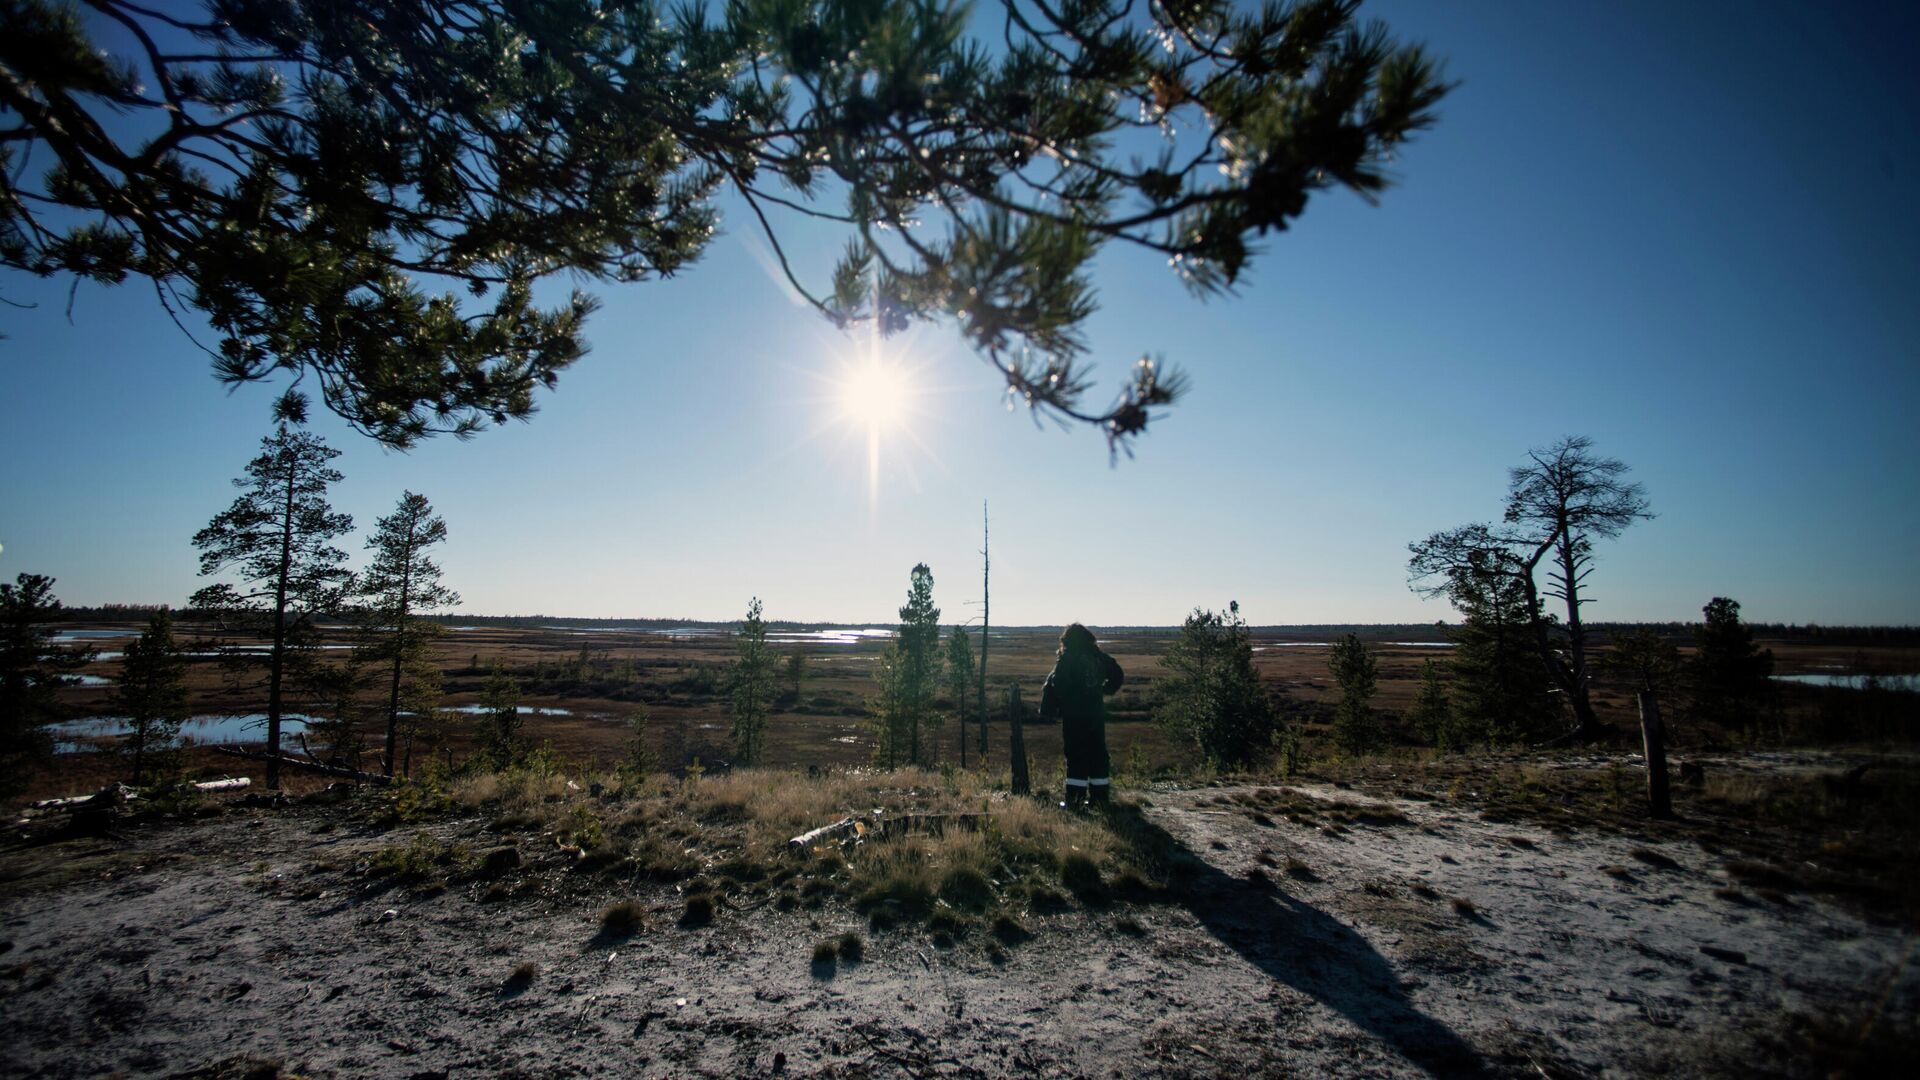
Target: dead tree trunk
1659,799
986,625
1017,743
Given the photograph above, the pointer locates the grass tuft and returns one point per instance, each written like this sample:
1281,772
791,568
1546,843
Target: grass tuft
623,919
699,911
521,977
1008,930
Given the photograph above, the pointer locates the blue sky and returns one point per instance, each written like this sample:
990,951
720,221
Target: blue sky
1685,231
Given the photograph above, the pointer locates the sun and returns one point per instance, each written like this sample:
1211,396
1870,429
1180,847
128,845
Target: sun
875,394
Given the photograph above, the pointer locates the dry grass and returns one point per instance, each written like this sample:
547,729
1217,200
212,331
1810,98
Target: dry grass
623,919
521,977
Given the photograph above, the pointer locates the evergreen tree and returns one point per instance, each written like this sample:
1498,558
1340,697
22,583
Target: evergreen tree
1645,661
1502,692
371,191
277,539
498,725
1728,677
32,668
1354,668
152,693
960,681
1559,503
399,584
909,673
795,674
750,683
1431,715
1212,698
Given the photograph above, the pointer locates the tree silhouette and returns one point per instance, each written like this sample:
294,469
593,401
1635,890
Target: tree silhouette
152,693
32,668
909,673
1727,677
1558,504
324,180
750,686
399,584
1502,690
1211,697
277,538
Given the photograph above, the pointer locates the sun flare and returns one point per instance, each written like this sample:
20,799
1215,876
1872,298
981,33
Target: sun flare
876,394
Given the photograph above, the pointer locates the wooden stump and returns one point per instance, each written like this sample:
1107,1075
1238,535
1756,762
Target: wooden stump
1654,736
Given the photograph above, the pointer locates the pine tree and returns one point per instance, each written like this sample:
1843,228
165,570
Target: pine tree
399,584
1502,692
1211,697
498,725
750,683
1354,668
32,668
152,693
277,539
1728,676
1558,504
1431,715
909,673
795,674
960,681
371,192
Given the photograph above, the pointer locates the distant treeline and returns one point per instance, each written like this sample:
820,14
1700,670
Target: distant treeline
1369,632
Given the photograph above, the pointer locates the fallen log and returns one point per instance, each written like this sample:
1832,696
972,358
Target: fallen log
809,838
303,763
110,793
231,783
115,793
897,825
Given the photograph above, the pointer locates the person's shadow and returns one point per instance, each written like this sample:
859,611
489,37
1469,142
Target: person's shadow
1299,945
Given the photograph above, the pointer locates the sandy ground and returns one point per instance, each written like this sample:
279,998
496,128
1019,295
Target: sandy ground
172,947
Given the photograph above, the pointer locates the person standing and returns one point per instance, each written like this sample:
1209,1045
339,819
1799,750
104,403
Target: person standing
1074,694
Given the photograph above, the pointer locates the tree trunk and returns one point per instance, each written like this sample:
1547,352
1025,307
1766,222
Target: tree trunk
277,662
1017,743
399,652
986,622
1563,675
1586,724
1653,732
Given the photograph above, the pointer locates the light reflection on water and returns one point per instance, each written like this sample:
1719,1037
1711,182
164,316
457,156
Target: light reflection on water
203,728
525,710
1909,684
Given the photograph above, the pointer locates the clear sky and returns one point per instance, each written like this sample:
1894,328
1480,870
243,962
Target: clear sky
1689,231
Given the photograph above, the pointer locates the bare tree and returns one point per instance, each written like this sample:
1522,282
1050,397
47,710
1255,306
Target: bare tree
1559,503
